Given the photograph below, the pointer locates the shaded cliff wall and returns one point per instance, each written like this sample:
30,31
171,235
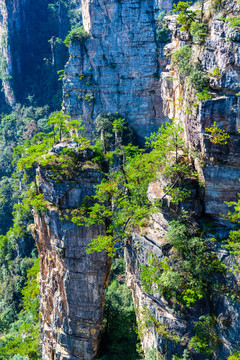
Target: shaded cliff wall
26,26
72,283
118,68
6,65
220,171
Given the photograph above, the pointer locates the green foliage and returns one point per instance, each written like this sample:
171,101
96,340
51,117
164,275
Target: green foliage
125,188
204,95
76,34
216,5
233,243
36,150
118,340
23,123
90,98
232,22
189,272
218,135
13,268
23,339
234,356
162,33
153,354
198,80
186,17
206,339
198,31
182,59
216,73
186,356
31,291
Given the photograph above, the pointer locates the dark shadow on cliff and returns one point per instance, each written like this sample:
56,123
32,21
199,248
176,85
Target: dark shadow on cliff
119,333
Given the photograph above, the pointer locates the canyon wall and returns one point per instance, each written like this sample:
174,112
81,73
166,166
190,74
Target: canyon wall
220,173
118,68
26,54
72,283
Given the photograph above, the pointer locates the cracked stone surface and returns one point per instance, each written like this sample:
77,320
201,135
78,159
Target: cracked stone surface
72,283
119,66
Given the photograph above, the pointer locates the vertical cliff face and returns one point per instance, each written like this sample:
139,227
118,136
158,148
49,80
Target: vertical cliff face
219,168
118,68
6,66
219,163
26,27
72,283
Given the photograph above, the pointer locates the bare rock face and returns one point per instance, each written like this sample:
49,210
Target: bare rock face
72,283
118,68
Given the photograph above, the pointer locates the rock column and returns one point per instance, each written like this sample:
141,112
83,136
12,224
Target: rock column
72,283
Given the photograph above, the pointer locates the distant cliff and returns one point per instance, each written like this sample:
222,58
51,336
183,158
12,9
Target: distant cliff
27,57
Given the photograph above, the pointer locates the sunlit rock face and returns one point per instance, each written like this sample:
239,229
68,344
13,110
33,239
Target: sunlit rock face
118,68
72,283
219,166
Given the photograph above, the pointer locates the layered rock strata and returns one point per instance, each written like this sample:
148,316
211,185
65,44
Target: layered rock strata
118,68
72,283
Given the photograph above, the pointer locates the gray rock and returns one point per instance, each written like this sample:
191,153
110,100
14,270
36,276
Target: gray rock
118,66
72,283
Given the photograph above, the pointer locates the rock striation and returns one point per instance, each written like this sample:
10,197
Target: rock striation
118,68
72,283
220,171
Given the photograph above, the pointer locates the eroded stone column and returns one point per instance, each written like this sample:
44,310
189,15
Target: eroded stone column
72,283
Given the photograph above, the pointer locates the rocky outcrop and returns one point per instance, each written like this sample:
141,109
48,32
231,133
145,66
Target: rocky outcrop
219,163
72,283
165,329
118,68
220,172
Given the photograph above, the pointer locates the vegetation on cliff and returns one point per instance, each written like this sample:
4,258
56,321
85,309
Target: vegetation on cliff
192,270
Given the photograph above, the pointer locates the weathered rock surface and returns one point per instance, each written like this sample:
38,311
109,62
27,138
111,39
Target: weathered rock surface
177,323
220,164
118,68
220,169
72,283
